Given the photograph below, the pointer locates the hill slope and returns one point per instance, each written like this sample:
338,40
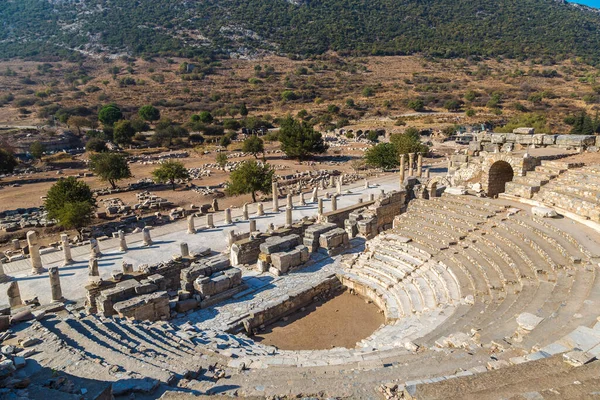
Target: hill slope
515,28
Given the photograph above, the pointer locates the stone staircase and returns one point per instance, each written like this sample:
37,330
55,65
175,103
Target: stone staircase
526,186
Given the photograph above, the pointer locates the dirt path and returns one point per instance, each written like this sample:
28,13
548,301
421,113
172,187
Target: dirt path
339,322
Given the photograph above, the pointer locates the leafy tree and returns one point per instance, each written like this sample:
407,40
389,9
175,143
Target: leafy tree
243,110
470,112
471,95
110,167
221,159
167,132
372,136
299,140
416,104
123,131
37,150
253,145
582,125
71,202
8,162
408,143
452,105
110,114
225,141
78,122
139,125
288,95
149,113
250,177
368,92
170,171
231,124
382,155
204,117
350,103
96,144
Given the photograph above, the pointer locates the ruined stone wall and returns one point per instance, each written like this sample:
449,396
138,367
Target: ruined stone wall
339,216
296,300
505,141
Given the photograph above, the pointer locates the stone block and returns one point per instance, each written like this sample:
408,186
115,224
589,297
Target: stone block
186,305
278,244
543,212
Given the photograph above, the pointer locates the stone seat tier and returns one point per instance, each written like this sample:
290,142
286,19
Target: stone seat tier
494,281
561,164
553,171
581,296
373,290
524,190
399,252
529,181
408,295
496,258
137,353
579,190
460,217
520,268
569,202
547,176
470,202
563,242
445,203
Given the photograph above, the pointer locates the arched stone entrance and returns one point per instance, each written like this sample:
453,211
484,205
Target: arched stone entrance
500,173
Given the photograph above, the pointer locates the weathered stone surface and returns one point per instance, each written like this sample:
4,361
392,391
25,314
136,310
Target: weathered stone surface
544,212
528,321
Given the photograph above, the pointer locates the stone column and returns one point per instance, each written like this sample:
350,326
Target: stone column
339,186
191,226
94,248
55,284
366,184
371,196
427,172
122,241
288,217
228,220
449,166
411,163
245,216
320,206
68,259
275,190
210,221
185,251
322,184
333,203
302,201
215,205
3,276
260,210
147,237
252,227
419,164
402,161
34,253
289,201
331,183
93,267
230,237
14,295
16,244
315,195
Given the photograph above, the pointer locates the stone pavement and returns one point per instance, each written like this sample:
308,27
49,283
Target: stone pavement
166,240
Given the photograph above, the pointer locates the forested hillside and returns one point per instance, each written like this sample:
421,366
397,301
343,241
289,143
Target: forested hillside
446,28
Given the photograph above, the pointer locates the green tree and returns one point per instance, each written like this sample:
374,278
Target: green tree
243,110
8,162
225,141
250,177
167,132
368,92
253,145
408,143
382,155
582,125
70,202
149,113
299,140
452,105
416,104
37,150
372,136
96,144
123,131
205,117
221,159
110,167
110,114
170,171
78,122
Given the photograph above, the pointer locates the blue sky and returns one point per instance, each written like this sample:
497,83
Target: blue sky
591,3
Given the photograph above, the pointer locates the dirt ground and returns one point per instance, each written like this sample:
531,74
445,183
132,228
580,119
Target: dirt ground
339,322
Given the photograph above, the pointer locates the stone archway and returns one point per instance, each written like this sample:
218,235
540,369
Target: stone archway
500,173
